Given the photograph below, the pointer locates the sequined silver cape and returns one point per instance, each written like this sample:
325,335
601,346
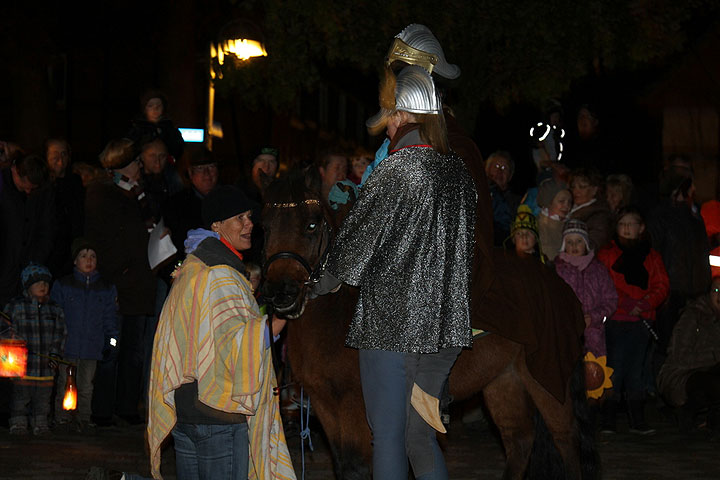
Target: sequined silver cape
407,243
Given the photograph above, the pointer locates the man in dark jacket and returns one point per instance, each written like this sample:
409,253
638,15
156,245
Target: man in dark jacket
678,234
115,222
182,212
27,224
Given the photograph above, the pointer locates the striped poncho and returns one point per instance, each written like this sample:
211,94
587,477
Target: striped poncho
211,330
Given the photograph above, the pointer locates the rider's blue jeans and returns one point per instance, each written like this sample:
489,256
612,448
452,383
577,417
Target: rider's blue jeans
398,431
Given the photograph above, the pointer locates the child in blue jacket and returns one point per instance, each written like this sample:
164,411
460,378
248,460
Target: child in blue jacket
91,316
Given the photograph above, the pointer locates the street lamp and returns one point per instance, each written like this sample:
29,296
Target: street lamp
238,41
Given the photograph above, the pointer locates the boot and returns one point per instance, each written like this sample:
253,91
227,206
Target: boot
638,425
608,422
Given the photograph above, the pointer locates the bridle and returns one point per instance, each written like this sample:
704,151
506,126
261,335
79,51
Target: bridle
315,273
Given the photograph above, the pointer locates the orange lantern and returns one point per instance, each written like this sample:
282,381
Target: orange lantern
13,358
70,399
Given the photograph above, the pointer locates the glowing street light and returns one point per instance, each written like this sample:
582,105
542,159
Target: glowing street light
240,41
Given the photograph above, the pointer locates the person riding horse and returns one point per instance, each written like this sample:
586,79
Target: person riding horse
407,244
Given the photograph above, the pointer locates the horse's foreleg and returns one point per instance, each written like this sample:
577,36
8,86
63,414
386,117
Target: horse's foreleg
512,410
348,435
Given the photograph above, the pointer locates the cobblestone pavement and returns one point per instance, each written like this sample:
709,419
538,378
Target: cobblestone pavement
471,454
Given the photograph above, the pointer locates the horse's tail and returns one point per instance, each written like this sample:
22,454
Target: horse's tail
545,460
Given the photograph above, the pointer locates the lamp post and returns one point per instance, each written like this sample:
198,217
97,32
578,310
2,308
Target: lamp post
239,41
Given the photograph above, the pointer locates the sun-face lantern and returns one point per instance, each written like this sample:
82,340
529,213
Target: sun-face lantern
597,375
70,399
13,358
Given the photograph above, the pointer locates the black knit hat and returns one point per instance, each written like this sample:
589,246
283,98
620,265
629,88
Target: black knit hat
224,202
80,244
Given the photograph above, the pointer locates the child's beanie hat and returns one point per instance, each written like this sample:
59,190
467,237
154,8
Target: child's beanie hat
35,273
578,227
80,244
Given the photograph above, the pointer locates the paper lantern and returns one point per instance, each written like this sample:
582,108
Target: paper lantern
13,358
70,399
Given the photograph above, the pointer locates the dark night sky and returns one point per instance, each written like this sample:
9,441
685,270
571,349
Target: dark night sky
78,72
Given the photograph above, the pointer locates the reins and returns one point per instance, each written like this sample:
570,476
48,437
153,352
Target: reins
314,274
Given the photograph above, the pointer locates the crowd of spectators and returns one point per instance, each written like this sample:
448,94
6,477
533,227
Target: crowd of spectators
641,274
638,260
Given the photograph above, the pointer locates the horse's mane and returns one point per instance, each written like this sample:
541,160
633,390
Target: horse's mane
296,184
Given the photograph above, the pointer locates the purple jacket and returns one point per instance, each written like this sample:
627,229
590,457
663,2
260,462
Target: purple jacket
591,282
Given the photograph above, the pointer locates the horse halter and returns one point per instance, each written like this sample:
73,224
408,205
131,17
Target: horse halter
314,274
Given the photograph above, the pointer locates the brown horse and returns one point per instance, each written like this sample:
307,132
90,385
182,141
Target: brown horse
298,234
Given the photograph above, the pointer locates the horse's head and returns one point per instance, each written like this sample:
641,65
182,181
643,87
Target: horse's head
298,235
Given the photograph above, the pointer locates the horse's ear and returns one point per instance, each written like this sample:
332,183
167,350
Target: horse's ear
312,179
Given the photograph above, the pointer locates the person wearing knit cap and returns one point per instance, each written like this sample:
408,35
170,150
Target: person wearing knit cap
219,380
555,202
591,282
91,317
41,323
524,234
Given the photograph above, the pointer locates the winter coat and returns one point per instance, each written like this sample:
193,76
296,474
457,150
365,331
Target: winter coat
594,288
679,236
114,223
27,227
42,326
599,220
90,306
694,347
629,295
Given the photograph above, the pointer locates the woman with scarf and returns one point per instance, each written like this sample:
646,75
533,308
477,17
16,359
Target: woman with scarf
211,384
407,244
642,285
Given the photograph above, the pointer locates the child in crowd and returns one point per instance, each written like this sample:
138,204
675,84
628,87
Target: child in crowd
591,282
642,285
41,323
524,234
91,316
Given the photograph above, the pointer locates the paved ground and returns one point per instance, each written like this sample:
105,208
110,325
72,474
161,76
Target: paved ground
471,454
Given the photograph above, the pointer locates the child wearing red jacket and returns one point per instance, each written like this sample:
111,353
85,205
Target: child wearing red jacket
642,285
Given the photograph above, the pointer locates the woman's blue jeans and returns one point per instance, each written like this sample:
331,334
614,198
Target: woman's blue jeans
398,431
205,452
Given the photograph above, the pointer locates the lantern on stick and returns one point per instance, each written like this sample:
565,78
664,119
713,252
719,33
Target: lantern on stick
13,358
70,398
